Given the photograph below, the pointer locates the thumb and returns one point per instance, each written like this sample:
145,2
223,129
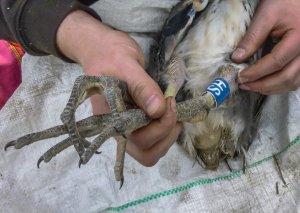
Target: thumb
255,36
146,93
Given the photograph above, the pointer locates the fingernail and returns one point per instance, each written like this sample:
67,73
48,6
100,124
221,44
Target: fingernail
152,104
238,53
173,105
244,87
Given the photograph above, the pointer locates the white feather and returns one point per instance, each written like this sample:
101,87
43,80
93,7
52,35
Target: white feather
205,49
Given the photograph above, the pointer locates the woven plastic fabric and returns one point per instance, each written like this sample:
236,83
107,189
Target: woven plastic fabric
175,184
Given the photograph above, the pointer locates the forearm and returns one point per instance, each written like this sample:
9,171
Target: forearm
34,24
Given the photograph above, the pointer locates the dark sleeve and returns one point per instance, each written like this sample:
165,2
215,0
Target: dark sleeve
34,23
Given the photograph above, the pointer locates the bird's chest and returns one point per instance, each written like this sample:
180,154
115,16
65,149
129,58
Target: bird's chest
213,37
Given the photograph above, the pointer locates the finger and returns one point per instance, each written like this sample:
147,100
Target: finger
256,34
165,144
151,156
285,80
146,137
100,105
144,91
283,53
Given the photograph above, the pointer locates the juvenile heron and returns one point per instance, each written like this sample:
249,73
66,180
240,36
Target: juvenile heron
195,66
194,61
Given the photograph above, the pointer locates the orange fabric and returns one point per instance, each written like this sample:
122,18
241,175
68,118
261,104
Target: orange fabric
16,50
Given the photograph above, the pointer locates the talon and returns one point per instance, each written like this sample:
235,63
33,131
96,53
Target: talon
87,144
245,165
39,161
228,166
80,162
85,157
121,183
12,143
199,161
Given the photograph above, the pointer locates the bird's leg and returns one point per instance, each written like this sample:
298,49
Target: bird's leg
34,137
215,139
215,144
245,162
120,157
192,110
197,109
91,124
120,122
208,147
61,146
175,76
88,127
84,87
53,151
227,146
117,105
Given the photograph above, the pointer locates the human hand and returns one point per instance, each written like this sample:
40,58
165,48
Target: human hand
278,71
103,51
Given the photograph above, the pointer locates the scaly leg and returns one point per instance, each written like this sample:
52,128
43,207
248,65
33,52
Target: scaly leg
120,157
103,125
213,142
94,124
174,76
208,147
61,146
227,146
88,86
84,87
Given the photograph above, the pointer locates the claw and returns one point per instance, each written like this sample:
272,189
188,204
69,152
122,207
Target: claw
80,162
197,160
34,137
106,133
121,183
245,165
39,161
12,143
227,164
87,144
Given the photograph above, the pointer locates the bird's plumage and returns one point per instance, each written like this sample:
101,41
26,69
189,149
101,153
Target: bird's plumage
205,49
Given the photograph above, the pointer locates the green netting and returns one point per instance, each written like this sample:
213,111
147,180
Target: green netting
200,182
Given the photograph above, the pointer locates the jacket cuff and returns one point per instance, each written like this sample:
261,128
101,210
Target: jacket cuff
39,22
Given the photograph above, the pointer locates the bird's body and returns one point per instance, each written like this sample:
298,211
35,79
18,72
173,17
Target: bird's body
194,50
205,49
